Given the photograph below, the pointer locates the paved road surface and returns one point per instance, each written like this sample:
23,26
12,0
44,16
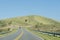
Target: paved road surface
29,36
11,36
26,36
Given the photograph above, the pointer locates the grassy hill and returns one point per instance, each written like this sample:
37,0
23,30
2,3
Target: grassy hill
36,23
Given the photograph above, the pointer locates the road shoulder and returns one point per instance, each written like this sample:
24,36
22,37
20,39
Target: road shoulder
34,33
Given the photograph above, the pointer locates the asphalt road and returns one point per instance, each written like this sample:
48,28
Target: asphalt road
26,35
29,36
11,36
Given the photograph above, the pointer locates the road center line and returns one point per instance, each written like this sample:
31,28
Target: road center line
17,38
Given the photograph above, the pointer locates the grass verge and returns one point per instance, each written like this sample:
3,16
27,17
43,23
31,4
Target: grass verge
3,35
44,36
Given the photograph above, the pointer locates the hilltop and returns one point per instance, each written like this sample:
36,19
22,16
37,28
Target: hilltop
33,18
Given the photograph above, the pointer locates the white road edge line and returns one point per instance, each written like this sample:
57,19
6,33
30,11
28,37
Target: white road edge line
34,34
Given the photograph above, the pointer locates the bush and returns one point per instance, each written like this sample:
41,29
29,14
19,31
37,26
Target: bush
2,23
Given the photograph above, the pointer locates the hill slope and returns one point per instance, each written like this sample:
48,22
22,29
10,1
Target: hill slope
37,22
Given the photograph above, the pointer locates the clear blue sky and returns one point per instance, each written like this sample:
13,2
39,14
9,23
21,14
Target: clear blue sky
13,8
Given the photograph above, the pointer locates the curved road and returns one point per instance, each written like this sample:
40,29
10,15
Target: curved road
29,36
26,36
11,36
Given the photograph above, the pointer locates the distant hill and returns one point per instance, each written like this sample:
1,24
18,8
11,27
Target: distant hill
37,22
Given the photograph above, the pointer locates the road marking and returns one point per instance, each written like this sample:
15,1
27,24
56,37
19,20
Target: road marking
34,34
17,38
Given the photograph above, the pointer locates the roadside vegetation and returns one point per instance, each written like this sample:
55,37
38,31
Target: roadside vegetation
42,35
6,27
